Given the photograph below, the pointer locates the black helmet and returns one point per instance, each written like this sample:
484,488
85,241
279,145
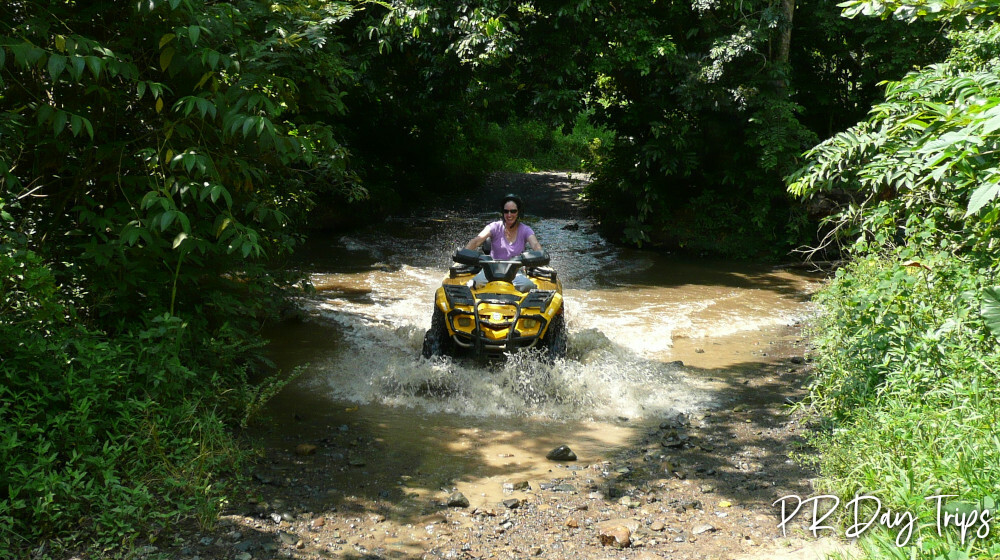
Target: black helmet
510,197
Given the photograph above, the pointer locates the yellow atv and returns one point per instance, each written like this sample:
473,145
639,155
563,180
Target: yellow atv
496,317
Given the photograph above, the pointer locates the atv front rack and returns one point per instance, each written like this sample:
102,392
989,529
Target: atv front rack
462,296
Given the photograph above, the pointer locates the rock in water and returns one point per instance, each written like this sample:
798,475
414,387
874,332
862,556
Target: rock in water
561,453
305,449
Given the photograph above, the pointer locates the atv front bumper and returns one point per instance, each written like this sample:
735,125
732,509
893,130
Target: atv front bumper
493,323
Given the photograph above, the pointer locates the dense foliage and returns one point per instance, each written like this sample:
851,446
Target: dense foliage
907,353
152,159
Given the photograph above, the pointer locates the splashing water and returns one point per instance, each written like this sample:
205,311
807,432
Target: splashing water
624,309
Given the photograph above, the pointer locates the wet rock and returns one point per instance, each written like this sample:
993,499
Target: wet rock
512,503
702,529
318,522
561,453
565,487
287,538
262,478
304,449
457,500
244,546
798,360
243,556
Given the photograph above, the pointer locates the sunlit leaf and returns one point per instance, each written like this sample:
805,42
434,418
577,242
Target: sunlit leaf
166,39
990,309
166,57
982,196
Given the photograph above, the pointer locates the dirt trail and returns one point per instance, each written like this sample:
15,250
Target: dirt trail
689,486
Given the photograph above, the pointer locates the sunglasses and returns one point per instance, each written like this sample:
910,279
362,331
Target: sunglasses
506,211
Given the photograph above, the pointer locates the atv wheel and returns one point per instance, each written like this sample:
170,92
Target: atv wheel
555,338
436,340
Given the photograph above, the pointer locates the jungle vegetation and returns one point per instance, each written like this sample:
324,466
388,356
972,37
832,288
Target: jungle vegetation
160,160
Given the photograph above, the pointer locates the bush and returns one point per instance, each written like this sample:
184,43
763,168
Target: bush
103,439
908,384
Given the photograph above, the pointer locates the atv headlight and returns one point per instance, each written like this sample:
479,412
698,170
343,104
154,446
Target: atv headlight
464,322
529,323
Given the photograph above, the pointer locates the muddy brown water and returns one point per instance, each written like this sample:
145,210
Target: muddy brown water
650,335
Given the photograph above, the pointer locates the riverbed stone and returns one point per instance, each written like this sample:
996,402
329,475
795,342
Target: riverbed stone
561,453
304,449
702,529
457,500
617,532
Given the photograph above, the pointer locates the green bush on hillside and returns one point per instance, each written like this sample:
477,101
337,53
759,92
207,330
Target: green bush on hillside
103,439
908,378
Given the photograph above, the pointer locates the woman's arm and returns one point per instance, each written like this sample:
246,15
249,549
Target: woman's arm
533,243
479,239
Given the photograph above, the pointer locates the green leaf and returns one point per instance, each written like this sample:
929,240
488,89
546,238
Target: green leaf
78,64
179,239
166,219
166,57
990,309
247,125
982,196
166,39
193,33
94,64
57,63
44,114
76,124
59,122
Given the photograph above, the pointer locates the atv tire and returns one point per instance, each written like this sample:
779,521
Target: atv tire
436,340
555,338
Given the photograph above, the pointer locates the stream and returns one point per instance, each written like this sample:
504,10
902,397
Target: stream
650,336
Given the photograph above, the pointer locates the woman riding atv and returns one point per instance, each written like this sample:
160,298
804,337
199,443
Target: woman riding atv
508,237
